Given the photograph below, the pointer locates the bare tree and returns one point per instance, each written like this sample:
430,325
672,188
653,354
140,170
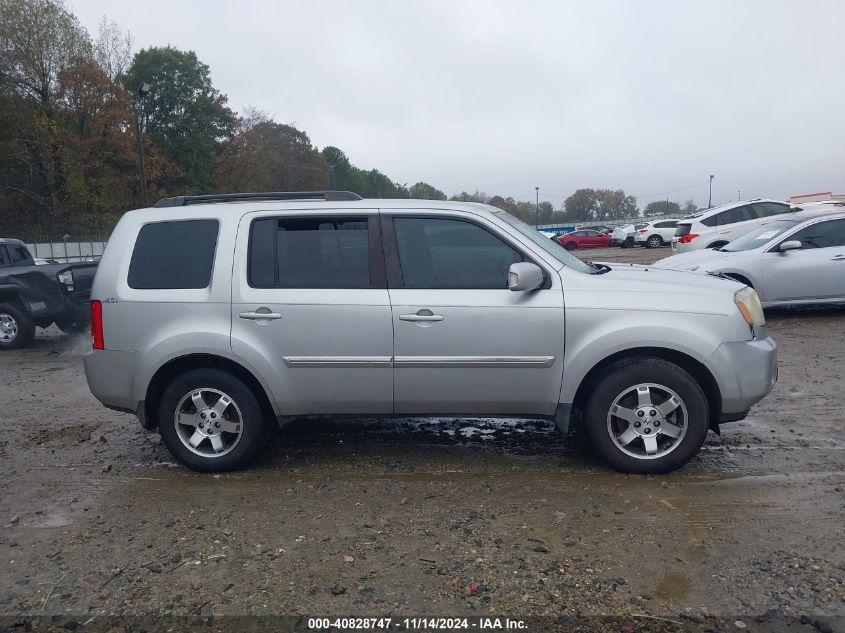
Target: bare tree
113,49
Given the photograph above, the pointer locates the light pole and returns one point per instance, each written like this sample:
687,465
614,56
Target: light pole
710,197
143,91
537,209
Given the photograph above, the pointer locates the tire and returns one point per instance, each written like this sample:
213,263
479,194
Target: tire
71,325
570,246
16,327
244,416
629,242
654,241
625,447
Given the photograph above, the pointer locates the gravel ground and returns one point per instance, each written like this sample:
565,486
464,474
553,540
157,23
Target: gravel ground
457,517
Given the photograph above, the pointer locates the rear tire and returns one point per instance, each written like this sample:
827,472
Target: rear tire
654,241
570,246
71,325
211,421
16,327
628,243
647,416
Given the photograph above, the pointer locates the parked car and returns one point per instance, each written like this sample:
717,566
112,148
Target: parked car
583,238
600,228
212,321
656,233
716,227
624,235
789,259
39,294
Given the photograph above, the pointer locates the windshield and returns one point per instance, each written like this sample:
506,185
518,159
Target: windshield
550,246
760,236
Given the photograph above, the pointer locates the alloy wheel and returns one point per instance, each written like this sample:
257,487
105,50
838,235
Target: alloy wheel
208,422
647,421
8,327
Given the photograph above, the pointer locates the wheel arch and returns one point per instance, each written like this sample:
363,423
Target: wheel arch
181,364
695,368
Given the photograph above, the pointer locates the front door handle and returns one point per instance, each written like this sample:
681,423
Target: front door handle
838,258
260,316
421,315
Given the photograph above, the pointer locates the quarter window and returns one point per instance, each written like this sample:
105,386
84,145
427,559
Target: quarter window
170,255
312,252
445,253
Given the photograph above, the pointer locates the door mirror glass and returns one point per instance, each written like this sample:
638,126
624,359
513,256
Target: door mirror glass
790,245
524,276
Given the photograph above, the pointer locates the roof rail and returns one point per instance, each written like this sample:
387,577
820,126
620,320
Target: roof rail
328,196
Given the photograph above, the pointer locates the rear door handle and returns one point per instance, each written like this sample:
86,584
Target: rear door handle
838,258
260,316
421,317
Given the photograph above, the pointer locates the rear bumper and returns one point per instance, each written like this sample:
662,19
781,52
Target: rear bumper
746,372
110,376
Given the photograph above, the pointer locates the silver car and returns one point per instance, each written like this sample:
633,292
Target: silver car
791,259
216,317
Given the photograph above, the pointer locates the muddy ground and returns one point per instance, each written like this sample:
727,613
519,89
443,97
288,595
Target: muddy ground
370,517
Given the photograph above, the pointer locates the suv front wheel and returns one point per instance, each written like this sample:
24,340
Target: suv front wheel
211,421
647,416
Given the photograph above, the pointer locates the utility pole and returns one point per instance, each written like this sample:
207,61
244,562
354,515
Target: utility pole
143,91
710,198
537,209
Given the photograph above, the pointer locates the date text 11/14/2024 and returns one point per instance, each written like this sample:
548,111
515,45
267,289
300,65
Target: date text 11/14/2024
417,624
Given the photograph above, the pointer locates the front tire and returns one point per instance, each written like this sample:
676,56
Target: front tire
16,327
211,421
570,246
647,416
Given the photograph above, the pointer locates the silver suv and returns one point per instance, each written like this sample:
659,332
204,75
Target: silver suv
215,316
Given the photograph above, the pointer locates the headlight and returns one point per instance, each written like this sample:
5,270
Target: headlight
749,305
66,278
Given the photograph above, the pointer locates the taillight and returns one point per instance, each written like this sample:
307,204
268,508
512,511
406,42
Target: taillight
97,325
643,230
686,239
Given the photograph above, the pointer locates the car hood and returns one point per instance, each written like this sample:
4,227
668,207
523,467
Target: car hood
642,278
701,258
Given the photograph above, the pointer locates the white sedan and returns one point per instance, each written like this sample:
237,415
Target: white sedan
789,260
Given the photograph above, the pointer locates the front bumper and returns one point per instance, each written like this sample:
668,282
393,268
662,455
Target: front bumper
746,371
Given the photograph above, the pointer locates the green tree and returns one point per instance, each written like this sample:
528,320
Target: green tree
582,205
425,191
662,207
184,115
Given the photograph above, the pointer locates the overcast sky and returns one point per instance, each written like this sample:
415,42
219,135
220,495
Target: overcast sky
505,96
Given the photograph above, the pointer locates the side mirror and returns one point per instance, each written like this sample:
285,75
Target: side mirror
524,276
790,245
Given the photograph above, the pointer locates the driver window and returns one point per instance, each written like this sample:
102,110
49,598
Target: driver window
821,235
445,253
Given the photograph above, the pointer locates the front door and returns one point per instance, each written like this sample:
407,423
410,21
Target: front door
816,271
310,310
463,342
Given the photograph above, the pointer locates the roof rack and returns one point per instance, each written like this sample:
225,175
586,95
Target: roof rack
328,196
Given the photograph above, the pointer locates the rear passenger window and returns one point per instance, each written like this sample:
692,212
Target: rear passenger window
768,209
313,252
3,259
441,253
732,216
173,255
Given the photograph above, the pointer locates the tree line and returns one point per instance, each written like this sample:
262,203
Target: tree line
68,155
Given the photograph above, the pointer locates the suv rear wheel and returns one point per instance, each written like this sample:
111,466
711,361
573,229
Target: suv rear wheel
647,416
654,241
16,327
211,421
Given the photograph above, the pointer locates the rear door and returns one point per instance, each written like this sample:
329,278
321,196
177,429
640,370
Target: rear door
814,272
463,342
310,310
